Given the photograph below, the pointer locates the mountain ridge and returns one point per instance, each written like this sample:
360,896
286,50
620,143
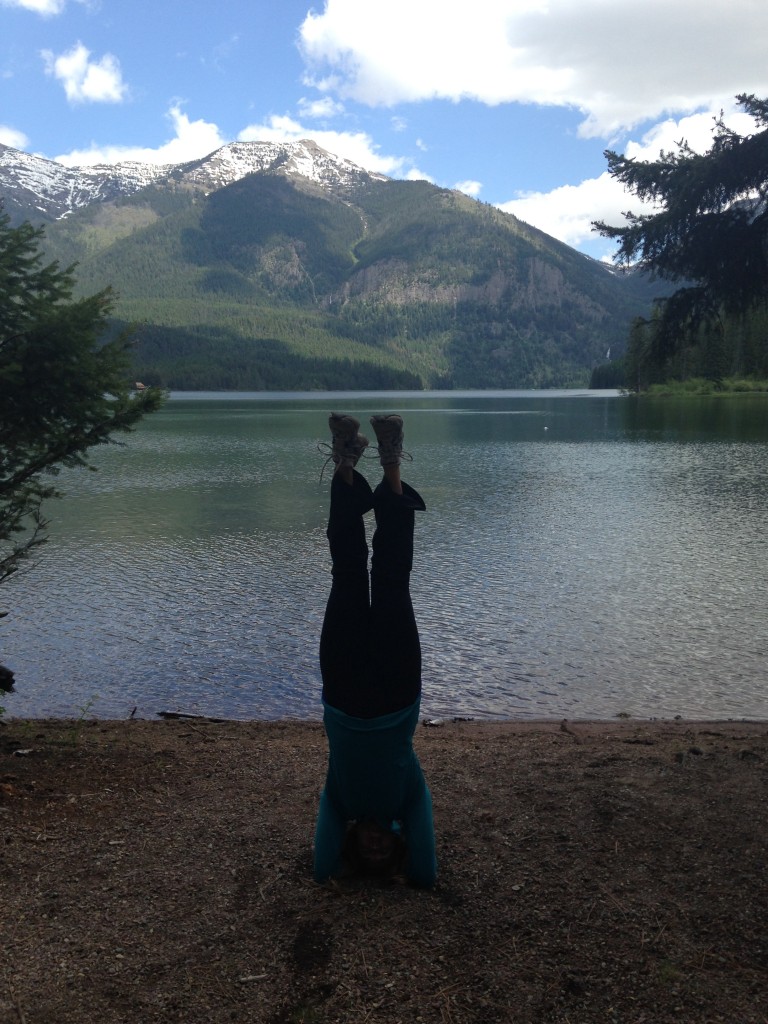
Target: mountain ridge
284,266
55,190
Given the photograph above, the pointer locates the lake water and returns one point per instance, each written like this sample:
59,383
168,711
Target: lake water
584,555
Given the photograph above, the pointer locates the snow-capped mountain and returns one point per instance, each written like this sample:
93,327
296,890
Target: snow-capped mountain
32,186
300,159
271,266
35,186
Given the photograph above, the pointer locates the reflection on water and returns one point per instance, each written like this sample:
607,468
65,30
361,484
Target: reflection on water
582,556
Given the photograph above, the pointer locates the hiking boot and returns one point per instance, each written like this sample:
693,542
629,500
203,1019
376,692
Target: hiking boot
389,435
347,444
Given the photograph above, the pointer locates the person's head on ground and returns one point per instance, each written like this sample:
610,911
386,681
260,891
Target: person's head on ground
370,849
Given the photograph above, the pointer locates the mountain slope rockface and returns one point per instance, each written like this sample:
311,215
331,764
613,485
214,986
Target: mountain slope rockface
283,266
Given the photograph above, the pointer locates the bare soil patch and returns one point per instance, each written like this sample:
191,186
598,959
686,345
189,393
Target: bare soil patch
604,872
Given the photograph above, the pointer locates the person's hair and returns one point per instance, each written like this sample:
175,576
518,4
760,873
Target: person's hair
392,868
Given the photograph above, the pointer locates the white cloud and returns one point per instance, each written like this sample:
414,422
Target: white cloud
84,80
696,130
414,174
567,212
324,107
470,188
355,146
191,140
13,138
195,139
44,7
620,64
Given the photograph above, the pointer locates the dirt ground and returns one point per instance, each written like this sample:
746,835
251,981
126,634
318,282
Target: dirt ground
606,872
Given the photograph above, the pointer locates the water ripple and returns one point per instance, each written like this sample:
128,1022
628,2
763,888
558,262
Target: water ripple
584,573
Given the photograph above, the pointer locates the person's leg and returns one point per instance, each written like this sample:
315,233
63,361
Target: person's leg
343,640
395,645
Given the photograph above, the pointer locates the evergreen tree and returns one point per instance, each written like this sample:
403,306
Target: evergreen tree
710,233
64,389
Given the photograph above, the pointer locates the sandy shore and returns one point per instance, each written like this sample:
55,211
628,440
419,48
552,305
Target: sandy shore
589,872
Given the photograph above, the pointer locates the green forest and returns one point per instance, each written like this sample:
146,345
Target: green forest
277,282
709,240
270,284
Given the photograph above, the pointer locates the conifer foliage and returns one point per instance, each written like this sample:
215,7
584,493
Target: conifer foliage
709,233
64,386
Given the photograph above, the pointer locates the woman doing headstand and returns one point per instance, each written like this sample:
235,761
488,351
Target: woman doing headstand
375,812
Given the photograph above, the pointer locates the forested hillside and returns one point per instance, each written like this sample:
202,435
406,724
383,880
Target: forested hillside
277,282
708,239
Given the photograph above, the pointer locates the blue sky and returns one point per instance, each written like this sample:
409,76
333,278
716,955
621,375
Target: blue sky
511,101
